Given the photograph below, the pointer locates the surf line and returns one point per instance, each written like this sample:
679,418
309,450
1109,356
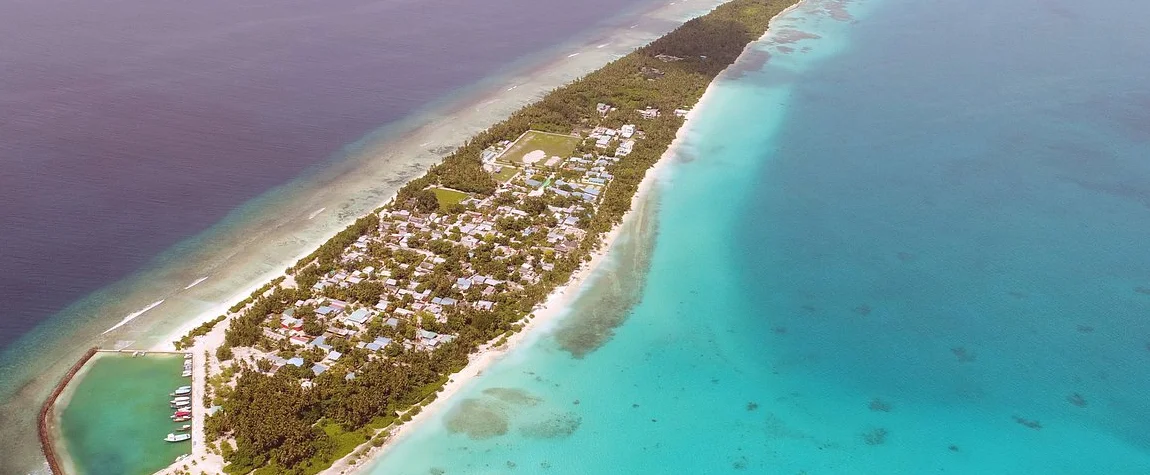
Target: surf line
133,315
572,55
197,282
316,213
604,45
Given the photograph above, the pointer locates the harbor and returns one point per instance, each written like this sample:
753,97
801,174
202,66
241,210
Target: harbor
122,412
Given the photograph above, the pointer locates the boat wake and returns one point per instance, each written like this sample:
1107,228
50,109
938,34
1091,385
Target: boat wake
197,282
316,213
133,315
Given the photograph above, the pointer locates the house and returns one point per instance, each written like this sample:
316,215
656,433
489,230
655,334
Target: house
681,112
392,322
334,355
627,131
602,108
320,343
649,113
358,317
625,148
297,361
318,369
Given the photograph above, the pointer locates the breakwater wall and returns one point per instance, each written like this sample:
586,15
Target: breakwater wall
46,412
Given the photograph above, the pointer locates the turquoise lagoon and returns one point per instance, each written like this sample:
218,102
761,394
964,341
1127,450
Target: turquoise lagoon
118,414
899,237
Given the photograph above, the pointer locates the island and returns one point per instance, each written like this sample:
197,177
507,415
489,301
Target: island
356,338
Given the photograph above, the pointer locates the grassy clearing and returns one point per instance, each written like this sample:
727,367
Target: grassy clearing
506,174
551,144
448,198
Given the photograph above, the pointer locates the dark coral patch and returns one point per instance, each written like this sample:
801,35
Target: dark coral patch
478,419
1031,423
875,437
878,405
555,426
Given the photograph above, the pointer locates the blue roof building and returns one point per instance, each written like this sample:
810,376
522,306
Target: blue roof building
359,317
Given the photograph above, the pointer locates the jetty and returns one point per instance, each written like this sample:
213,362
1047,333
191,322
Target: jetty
49,404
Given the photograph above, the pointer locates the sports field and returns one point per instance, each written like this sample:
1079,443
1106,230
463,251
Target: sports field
448,198
535,146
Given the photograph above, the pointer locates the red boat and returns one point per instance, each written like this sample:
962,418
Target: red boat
181,414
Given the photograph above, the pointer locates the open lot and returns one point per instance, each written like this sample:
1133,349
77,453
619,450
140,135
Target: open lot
507,173
535,146
448,198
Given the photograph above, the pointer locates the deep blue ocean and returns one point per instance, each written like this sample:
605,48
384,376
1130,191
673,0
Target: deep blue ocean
129,126
899,237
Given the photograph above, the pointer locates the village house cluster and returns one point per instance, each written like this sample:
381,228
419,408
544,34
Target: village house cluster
508,242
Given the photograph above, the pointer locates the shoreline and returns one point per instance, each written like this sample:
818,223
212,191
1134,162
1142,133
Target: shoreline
554,307
508,89
559,301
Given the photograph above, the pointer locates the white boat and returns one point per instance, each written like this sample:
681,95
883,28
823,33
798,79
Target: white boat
184,428
177,437
181,398
186,374
182,392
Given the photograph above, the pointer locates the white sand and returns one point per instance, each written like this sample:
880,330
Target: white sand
554,306
534,156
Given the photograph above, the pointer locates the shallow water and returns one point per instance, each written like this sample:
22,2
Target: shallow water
901,237
118,415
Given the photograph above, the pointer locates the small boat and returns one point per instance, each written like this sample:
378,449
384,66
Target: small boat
186,374
177,437
181,418
184,428
187,356
181,392
182,414
183,457
181,398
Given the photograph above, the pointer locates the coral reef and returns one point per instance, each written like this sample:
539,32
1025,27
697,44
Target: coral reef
1033,424
875,437
878,405
963,355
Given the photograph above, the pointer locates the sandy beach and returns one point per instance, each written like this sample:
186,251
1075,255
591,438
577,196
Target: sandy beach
557,302
534,326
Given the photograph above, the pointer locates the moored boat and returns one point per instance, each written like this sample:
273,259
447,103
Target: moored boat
181,418
177,437
184,428
182,414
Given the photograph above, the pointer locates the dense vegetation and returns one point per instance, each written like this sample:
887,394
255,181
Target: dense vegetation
280,428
